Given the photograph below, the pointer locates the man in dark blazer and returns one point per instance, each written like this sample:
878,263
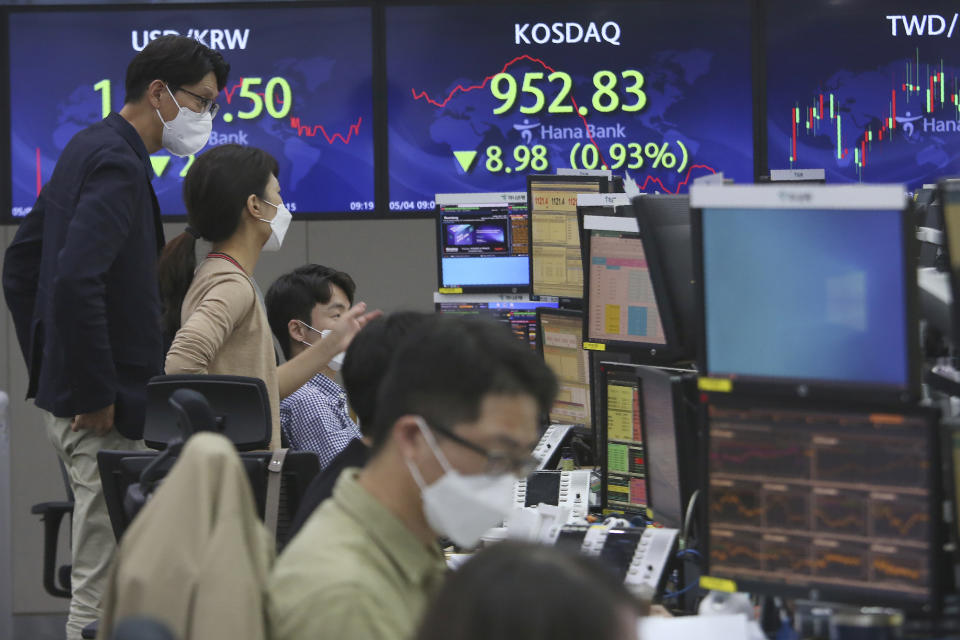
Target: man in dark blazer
80,281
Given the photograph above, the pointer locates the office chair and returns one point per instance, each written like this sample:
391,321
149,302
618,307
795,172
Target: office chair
56,580
240,410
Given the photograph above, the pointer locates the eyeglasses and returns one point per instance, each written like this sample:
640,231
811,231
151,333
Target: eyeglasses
206,104
497,462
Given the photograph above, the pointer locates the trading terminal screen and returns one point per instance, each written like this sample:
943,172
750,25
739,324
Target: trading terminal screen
622,304
821,500
557,268
626,475
484,247
562,340
521,317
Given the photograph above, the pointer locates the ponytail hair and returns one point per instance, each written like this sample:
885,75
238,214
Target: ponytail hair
215,191
175,269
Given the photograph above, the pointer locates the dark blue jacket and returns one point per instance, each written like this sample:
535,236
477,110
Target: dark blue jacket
80,279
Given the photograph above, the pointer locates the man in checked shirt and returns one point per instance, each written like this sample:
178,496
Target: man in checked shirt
301,304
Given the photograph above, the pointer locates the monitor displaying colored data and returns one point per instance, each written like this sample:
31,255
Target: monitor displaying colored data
808,286
836,502
622,304
561,342
866,89
300,87
520,316
480,95
483,242
624,472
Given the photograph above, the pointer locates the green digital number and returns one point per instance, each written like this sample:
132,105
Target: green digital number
605,83
539,161
509,96
105,100
636,89
557,105
270,96
539,98
246,91
494,159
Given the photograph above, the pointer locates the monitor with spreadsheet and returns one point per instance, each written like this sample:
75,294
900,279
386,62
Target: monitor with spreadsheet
560,333
556,268
830,503
808,290
626,297
483,242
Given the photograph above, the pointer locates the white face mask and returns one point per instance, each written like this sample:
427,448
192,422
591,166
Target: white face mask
188,132
460,507
278,227
337,362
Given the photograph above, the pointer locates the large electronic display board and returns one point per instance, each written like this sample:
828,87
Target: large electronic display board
481,95
300,87
866,89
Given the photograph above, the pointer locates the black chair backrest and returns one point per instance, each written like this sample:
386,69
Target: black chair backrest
240,405
121,469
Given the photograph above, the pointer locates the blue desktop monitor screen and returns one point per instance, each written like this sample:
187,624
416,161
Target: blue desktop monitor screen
806,289
482,95
300,87
484,247
866,89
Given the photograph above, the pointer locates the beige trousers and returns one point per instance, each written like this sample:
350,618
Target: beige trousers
93,543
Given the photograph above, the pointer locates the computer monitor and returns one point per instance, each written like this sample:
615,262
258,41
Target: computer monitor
626,301
670,438
833,503
555,268
807,291
560,342
623,471
483,242
520,316
664,223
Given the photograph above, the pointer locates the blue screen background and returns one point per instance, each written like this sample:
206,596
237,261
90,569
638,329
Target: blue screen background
325,54
815,295
496,270
695,58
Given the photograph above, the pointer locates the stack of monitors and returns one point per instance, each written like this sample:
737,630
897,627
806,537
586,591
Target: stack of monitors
556,268
483,242
519,315
823,475
560,334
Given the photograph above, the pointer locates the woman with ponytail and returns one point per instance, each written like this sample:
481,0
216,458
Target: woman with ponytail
215,310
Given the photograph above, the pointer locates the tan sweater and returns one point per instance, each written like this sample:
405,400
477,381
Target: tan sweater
224,330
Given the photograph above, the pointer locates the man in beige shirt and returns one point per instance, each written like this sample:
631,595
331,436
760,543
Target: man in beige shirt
457,416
